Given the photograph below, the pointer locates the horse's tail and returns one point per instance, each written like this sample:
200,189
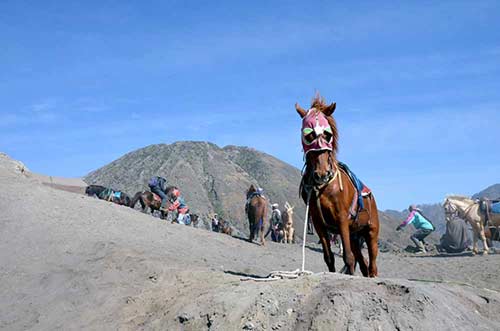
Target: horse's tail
137,197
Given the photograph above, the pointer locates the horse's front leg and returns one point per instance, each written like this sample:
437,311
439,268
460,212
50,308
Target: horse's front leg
474,241
485,242
327,250
348,255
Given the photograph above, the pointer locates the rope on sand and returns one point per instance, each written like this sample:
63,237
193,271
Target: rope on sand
276,275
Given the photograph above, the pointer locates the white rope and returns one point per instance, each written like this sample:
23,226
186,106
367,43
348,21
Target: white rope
304,237
276,275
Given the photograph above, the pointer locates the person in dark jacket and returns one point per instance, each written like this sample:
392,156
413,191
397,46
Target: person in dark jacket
158,185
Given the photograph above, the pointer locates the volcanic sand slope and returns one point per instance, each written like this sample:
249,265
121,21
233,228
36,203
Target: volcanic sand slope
73,262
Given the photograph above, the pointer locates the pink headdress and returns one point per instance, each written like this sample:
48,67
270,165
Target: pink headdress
317,135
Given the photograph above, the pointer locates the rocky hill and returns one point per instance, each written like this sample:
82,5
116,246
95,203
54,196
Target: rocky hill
491,192
212,179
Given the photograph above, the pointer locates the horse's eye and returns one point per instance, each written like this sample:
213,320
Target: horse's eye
328,136
309,138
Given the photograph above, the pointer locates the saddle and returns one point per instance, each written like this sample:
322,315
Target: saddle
362,191
107,194
489,207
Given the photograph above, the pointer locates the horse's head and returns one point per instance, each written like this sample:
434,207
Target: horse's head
449,210
319,138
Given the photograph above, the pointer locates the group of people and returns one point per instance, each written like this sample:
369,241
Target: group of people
158,185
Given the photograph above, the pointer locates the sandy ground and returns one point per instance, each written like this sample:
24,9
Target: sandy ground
73,262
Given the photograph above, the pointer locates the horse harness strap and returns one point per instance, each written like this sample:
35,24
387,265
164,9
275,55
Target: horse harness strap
317,193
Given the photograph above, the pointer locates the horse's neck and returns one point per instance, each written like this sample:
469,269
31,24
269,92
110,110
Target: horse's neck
464,205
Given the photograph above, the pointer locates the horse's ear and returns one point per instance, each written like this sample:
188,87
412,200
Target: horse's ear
330,109
300,110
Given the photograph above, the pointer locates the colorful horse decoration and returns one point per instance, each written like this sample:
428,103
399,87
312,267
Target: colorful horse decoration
332,195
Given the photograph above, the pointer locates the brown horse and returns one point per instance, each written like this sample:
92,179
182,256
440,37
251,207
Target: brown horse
151,200
225,227
256,210
330,193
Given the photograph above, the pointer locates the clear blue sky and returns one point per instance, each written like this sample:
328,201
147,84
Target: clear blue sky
417,84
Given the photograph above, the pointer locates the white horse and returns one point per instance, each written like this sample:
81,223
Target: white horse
468,210
287,219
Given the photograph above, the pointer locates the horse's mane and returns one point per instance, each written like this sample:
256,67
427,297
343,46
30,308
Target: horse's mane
459,197
320,104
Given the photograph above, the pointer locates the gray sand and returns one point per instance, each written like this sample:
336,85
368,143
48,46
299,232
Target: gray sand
73,262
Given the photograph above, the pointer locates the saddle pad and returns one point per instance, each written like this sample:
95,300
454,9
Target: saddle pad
366,191
495,208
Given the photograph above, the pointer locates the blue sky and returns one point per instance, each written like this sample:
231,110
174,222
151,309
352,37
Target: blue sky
416,84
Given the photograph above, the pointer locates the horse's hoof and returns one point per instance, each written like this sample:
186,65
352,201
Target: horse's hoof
485,252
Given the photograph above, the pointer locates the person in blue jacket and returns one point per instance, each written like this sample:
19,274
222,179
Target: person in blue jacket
423,226
158,185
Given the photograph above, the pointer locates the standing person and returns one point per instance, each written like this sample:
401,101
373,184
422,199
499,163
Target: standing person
275,222
423,226
215,223
158,185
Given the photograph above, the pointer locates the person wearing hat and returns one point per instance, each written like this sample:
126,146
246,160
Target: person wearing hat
423,226
215,223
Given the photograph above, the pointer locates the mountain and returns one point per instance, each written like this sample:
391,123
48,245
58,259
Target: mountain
491,192
211,179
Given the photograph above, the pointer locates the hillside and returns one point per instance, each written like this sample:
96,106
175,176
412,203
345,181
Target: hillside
71,262
212,179
491,192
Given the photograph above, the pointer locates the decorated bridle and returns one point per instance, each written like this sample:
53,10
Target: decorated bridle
451,210
317,135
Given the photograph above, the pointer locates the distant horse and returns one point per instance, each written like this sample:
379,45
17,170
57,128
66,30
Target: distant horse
225,227
257,214
288,229
94,190
468,210
120,198
151,200
326,187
